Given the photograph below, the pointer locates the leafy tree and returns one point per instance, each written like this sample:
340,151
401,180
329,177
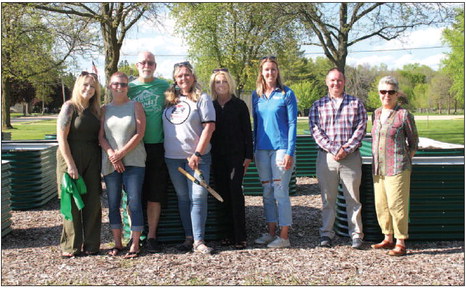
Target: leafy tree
413,80
439,94
338,26
33,44
128,69
454,63
235,36
309,83
359,81
114,20
307,92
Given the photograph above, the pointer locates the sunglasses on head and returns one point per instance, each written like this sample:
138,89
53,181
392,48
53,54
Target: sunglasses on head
271,57
85,73
149,63
116,84
184,63
220,70
390,92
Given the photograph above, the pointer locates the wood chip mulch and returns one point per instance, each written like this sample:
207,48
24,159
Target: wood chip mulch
31,256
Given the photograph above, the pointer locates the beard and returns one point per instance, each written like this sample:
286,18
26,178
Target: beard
147,74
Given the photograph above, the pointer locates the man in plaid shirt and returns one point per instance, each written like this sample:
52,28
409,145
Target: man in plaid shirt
338,124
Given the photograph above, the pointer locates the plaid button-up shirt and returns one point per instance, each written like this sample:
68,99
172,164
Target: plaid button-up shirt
333,127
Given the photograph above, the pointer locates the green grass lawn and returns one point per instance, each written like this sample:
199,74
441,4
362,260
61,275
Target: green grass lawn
450,131
34,130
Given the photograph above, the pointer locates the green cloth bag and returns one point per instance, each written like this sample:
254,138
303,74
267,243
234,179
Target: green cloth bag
71,188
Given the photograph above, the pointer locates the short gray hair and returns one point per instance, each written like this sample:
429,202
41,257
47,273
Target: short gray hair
389,80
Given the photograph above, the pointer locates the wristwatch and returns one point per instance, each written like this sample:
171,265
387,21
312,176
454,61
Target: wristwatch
198,154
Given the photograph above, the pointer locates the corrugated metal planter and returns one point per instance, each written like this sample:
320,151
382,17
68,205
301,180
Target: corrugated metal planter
436,197
6,203
170,228
306,156
33,179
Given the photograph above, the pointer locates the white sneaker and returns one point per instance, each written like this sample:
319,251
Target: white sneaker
279,243
266,238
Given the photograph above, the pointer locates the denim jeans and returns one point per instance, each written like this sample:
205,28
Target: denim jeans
132,179
192,198
275,181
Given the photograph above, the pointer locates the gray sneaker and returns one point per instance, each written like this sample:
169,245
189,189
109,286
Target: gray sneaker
279,243
325,242
357,243
266,238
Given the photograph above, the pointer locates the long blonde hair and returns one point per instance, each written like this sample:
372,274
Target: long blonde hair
260,82
172,94
77,100
230,81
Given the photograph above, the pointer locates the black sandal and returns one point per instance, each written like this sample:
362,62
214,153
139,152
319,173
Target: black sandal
226,242
114,251
186,246
241,245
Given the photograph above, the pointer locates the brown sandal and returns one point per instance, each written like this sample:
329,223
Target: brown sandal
131,255
400,252
383,245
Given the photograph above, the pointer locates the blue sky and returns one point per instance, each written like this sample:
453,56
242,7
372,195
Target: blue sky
170,49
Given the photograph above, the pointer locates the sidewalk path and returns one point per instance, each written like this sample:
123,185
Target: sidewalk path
33,118
423,117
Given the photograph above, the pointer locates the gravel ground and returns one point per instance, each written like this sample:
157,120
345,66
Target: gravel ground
30,256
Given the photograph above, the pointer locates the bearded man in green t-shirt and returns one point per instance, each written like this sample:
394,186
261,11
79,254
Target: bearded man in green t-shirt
149,91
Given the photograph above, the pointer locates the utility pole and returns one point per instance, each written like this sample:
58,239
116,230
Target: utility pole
63,90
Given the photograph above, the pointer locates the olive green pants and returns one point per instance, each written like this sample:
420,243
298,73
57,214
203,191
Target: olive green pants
83,232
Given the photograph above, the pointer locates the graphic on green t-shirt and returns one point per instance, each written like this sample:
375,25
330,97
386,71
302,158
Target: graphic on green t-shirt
151,96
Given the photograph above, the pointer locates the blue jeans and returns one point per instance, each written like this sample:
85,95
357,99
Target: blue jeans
192,198
275,181
132,179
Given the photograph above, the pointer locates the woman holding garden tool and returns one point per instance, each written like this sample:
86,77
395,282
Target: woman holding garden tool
78,156
188,124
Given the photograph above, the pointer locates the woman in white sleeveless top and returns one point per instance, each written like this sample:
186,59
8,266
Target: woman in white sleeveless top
123,160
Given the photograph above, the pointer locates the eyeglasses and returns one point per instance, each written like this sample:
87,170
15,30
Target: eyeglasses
185,63
85,73
390,92
123,85
149,63
271,57
220,70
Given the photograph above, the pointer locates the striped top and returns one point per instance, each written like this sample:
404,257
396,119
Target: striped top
393,141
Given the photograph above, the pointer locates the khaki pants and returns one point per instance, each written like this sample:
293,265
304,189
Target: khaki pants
392,203
330,173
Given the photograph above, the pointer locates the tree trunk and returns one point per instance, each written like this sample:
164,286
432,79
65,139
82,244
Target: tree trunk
6,88
112,54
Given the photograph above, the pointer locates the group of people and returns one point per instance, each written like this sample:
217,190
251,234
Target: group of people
152,128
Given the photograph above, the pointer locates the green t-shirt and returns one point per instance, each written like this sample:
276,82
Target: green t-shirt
151,96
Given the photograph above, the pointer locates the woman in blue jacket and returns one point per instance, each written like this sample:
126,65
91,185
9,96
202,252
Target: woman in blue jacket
275,117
